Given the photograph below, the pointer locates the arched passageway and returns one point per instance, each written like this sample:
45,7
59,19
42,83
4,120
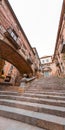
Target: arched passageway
9,54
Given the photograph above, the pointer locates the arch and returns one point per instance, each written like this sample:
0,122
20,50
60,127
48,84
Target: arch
9,54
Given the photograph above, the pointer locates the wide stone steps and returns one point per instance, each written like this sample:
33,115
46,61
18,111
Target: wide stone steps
45,92
35,100
44,96
9,93
34,91
39,95
42,120
10,124
45,109
50,109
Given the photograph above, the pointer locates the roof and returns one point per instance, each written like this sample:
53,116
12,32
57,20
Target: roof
45,57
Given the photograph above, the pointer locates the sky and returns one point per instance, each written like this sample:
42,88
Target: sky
39,20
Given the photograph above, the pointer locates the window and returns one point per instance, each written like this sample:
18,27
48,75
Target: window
43,61
11,68
47,60
13,34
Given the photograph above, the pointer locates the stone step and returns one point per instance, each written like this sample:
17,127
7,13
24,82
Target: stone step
12,89
9,93
45,92
42,120
44,96
35,100
50,109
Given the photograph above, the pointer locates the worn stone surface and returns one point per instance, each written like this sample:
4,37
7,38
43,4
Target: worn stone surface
9,124
39,119
42,105
35,100
54,110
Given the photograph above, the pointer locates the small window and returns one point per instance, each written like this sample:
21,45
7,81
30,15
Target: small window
13,34
47,60
43,61
11,68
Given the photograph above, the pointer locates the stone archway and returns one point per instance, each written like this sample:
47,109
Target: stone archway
9,54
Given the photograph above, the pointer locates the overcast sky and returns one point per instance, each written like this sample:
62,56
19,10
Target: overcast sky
39,20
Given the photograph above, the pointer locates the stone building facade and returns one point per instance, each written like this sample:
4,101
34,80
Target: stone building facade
59,53
37,60
14,44
46,64
9,72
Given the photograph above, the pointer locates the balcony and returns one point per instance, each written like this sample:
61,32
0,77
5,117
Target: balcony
63,47
13,38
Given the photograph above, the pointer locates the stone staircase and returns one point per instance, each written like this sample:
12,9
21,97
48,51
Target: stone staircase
38,106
